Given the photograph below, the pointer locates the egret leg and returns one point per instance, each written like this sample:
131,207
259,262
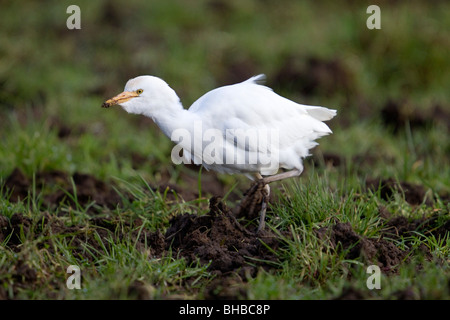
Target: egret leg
265,199
281,176
262,186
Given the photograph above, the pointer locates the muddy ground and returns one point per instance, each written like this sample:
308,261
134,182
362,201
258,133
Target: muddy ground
221,239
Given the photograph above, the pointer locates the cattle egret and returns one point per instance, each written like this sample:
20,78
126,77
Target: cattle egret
278,133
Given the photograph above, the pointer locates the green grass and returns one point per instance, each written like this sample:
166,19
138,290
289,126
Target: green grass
53,79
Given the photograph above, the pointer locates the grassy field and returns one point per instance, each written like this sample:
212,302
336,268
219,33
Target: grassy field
95,188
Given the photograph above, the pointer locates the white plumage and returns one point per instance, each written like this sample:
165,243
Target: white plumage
242,107
245,106
250,105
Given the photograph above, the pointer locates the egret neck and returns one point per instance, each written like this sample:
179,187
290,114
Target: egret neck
170,117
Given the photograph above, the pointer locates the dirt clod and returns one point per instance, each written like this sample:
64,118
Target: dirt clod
219,240
226,288
140,290
216,238
402,227
88,189
18,184
350,294
342,237
250,206
414,194
19,227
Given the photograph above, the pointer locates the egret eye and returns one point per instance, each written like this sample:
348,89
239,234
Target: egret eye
139,91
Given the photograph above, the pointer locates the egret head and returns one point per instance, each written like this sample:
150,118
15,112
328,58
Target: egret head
144,95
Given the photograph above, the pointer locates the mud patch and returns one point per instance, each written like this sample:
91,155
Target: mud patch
401,227
219,240
88,189
226,288
215,239
186,185
84,242
414,194
315,76
18,228
398,113
361,163
342,238
326,159
18,185
140,291
65,131
234,67
95,234
382,250
251,204
351,293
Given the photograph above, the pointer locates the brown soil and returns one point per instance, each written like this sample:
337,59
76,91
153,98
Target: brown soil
186,185
382,250
361,163
315,76
215,239
219,240
233,67
88,189
397,113
187,189
224,241
414,194
400,226
64,131
229,248
343,238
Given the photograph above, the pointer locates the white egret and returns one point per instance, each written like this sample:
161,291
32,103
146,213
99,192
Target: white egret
280,131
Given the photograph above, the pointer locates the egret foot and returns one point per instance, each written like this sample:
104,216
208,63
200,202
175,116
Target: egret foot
250,204
259,193
262,213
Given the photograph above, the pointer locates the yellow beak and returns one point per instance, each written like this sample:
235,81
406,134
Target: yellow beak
120,98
